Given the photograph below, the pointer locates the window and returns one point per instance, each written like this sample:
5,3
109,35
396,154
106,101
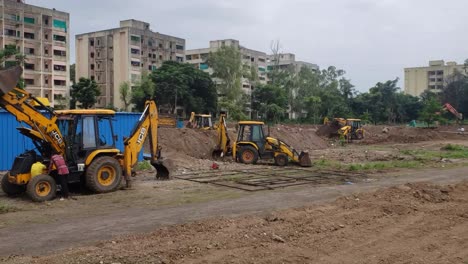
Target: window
98,54
46,36
160,57
136,63
60,68
91,42
29,81
149,55
46,81
10,32
28,35
92,66
60,82
92,78
61,53
179,47
91,55
440,72
203,66
150,43
135,38
29,66
106,138
188,57
60,24
135,51
46,52
432,79
46,21
432,86
180,59
154,56
89,136
29,20
261,69
440,79
252,59
160,45
29,51
98,42
261,59
60,38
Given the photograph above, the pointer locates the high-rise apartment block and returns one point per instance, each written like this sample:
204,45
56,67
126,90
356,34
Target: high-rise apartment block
43,36
252,59
285,61
432,77
114,56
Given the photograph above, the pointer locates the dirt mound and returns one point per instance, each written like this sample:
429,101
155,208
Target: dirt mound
404,134
301,137
395,225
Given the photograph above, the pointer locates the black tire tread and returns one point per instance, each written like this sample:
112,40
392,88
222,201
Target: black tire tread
91,179
9,188
31,188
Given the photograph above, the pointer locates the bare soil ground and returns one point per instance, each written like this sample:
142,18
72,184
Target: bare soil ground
415,223
411,223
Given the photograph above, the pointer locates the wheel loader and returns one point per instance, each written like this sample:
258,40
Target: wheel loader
252,145
83,137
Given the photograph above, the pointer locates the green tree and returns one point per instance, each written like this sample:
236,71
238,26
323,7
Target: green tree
142,91
270,101
125,94
86,92
11,56
431,111
186,86
73,73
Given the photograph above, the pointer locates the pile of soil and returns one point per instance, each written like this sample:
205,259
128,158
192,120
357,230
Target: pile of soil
404,134
412,223
300,137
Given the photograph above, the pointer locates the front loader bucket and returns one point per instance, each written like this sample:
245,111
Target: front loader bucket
163,169
304,159
9,78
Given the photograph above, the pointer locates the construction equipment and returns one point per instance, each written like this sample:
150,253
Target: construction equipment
454,111
352,130
202,121
252,144
223,143
83,137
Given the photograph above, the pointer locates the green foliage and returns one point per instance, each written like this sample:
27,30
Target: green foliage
86,92
143,165
455,92
11,56
125,94
270,101
142,91
451,147
190,87
227,66
431,111
4,208
73,73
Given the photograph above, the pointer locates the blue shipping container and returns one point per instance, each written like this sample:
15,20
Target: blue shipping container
13,143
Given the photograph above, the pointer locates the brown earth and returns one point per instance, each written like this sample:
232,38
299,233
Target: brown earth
411,223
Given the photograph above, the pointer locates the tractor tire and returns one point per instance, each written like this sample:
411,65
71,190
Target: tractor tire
104,175
41,188
9,188
248,155
281,160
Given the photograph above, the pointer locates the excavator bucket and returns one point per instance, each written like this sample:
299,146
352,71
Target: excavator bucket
9,78
304,159
163,169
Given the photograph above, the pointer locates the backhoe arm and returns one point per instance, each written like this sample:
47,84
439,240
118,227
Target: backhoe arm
19,103
147,126
223,143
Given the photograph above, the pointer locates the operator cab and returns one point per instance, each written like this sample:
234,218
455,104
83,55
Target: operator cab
86,131
203,121
252,131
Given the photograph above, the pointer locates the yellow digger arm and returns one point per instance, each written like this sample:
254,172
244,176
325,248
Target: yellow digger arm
147,126
20,104
224,142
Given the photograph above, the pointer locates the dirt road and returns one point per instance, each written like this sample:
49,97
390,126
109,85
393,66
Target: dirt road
74,231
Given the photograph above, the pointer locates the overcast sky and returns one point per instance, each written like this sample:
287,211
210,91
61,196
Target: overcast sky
372,40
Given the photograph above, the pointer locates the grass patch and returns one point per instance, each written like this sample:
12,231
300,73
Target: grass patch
451,147
143,165
7,209
385,165
447,152
326,164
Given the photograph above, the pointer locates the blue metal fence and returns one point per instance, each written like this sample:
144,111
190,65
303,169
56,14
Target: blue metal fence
12,143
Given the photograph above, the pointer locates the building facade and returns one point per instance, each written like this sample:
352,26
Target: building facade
42,35
285,61
114,56
252,59
432,77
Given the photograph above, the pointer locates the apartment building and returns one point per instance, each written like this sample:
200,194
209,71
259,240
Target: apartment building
250,58
114,56
432,77
43,36
285,61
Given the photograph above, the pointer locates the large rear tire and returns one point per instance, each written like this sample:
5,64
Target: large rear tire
104,175
248,155
41,188
11,189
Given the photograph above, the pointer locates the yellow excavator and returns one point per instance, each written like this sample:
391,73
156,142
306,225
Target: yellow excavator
252,145
352,130
201,121
83,137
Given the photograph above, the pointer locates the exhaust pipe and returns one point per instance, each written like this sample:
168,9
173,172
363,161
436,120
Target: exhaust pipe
9,78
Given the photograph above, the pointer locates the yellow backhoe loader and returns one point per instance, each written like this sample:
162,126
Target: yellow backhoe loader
83,137
352,130
252,145
201,121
